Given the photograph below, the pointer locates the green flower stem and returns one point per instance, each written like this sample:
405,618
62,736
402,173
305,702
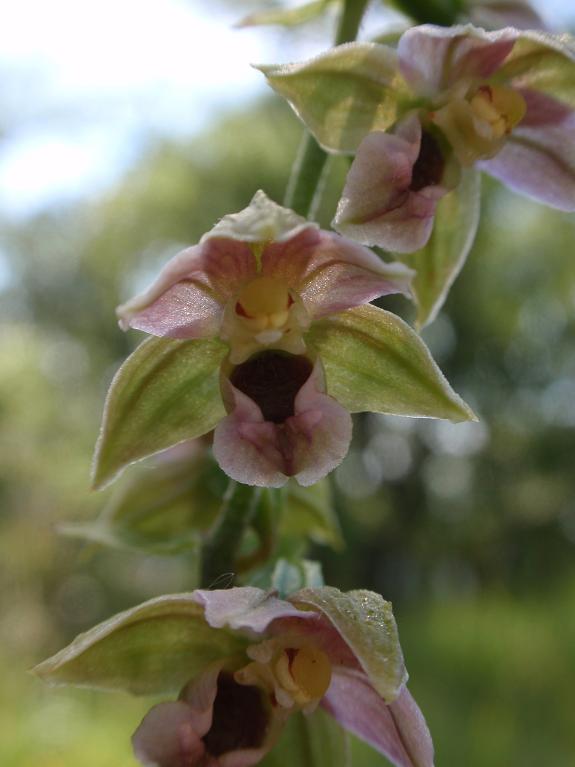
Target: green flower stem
220,548
304,186
306,174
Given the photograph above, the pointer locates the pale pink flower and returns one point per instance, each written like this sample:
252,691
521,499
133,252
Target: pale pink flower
257,281
299,656
476,106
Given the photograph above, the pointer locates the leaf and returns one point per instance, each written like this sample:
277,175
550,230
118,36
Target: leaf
167,391
154,648
309,513
313,740
365,620
375,362
440,261
287,17
162,509
345,93
289,576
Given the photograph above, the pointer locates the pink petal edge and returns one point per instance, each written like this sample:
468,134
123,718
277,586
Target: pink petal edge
433,58
245,608
538,159
377,206
166,737
307,446
332,273
398,730
186,300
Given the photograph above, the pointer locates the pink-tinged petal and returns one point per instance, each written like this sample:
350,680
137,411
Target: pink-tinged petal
200,695
319,433
331,273
433,58
541,109
185,310
245,608
320,632
245,446
186,299
397,730
166,737
288,260
413,729
538,159
383,202
306,445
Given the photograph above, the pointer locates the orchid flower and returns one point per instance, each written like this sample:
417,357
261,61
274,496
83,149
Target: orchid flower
247,662
420,120
261,334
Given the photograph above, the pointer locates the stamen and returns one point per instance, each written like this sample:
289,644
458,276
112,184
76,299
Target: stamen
304,672
264,295
477,126
501,107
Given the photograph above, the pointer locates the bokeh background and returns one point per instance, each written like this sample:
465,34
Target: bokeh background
126,130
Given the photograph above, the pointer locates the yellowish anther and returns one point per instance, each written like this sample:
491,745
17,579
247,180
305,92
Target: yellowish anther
278,319
256,324
305,673
501,107
264,296
283,673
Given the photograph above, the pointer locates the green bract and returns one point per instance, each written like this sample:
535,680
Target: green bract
164,508
309,513
374,361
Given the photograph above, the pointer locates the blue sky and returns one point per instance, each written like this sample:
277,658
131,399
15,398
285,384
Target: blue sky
85,82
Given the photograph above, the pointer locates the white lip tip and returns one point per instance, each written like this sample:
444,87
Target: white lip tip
269,336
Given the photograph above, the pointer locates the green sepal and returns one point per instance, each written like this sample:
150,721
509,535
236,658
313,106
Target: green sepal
438,263
287,17
375,362
166,392
542,62
154,648
313,740
365,621
345,93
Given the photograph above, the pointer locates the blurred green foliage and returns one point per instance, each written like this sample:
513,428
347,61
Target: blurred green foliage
469,529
